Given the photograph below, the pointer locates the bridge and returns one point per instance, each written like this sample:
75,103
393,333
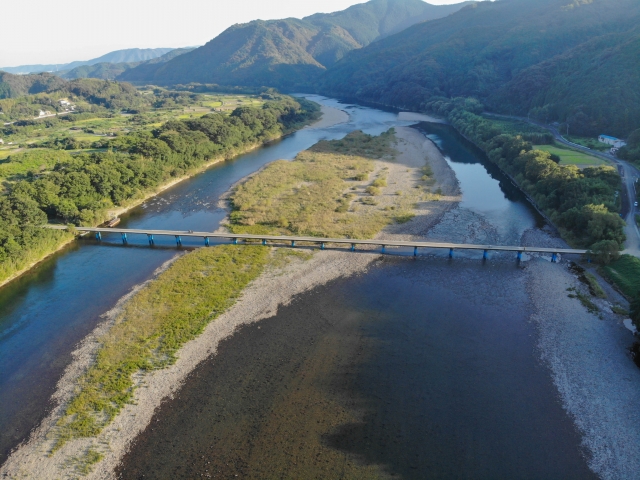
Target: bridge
292,241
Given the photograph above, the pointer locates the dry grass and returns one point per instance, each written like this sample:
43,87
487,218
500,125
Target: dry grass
316,194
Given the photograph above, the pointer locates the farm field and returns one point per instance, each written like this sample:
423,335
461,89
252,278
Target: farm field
87,132
571,157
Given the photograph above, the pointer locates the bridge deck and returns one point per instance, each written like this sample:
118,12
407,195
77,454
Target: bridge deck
319,240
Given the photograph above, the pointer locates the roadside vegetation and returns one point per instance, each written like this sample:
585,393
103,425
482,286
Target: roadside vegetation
151,328
329,190
582,203
65,185
625,273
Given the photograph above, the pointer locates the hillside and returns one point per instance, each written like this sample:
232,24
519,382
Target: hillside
113,71
566,60
291,53
128,55
12,86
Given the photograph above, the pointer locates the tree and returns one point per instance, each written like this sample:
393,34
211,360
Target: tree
605,251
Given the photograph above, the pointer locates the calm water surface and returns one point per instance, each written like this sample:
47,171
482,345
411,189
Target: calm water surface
48,311
446,379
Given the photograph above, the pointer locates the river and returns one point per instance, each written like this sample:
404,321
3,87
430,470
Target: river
447,382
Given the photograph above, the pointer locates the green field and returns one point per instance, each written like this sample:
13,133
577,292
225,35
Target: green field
589,142
514,127
571,157
625,273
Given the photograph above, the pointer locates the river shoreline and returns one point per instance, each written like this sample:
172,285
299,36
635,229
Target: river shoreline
261,300
330,116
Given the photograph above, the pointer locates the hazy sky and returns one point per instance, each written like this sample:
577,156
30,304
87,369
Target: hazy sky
61,31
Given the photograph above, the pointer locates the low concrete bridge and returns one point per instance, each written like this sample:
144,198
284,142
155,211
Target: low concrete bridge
291,241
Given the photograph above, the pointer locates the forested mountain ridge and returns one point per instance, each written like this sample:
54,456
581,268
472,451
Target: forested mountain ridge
113,71
128,55
569,61
290,53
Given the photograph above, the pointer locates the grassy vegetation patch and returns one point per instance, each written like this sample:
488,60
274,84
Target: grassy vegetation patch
310,195
584,300
571,157
625,273
152,327
83,464
36,161
589,142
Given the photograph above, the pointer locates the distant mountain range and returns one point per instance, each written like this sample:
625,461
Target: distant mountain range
119,56
290,53
112,71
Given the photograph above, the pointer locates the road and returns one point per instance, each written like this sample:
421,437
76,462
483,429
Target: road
41,117
629,175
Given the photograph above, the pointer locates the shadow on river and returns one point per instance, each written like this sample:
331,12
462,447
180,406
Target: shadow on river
418,369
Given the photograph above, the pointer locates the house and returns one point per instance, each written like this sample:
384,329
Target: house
1,142
64,103
615,142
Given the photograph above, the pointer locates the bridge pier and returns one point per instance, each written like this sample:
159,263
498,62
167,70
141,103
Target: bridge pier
322,246
353,247
485,255
264,242
415,251
451,253
384,249
124,238
206,241
98,236
178,240
235,241
150,238
293,243
554,258
519,256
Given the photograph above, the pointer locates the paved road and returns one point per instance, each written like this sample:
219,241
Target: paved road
629,175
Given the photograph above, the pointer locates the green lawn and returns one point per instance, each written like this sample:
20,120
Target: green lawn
571,157
625,273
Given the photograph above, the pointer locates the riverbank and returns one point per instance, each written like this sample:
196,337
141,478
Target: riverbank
258,301
330,116
587,353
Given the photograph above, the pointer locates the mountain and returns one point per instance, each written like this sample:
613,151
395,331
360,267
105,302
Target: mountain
290,53
113,71
147,69
566,60
119,56
12,86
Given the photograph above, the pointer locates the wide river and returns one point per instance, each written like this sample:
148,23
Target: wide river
447,382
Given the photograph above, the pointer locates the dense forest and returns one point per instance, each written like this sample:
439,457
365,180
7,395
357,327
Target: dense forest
289,53
79,189
581,203
574,62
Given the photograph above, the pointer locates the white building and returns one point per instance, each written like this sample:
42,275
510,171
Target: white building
1,142
613,141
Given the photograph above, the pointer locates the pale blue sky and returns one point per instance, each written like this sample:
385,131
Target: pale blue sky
61,31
